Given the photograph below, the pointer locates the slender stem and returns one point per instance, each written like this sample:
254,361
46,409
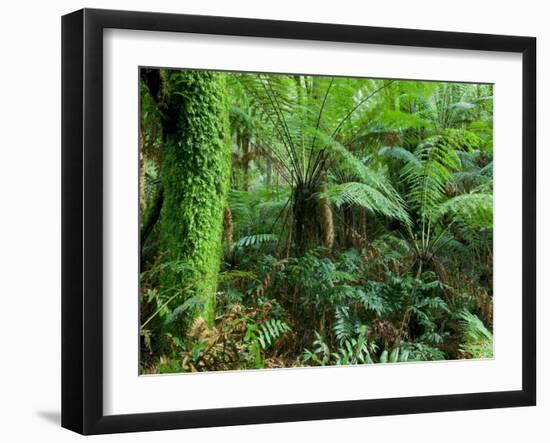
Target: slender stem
317,127
276,128
282,122
158,310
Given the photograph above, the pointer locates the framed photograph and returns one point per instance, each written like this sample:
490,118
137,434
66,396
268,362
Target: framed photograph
269,221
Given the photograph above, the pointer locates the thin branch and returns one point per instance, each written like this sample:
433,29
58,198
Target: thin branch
274,124
275,104
317,128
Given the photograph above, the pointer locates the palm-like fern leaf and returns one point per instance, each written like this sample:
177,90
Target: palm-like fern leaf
428,174
253,240
366,196
474,209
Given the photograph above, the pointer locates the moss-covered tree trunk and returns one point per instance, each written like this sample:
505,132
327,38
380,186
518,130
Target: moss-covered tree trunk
195,180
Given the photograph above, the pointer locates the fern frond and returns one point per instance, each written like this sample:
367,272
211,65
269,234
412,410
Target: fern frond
428,176
474,209
368,197
270,331
399,153
478,340
254,240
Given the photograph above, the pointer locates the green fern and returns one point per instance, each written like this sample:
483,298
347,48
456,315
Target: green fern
270,331
345,326
427,177
474,209
478,340
368,197
400,154
351,351
254,240
260,337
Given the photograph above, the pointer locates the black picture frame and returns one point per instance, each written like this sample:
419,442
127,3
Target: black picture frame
82,218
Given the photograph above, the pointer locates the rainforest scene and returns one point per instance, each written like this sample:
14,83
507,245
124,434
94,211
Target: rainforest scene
294,220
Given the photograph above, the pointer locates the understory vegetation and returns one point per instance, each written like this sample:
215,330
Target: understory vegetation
291,220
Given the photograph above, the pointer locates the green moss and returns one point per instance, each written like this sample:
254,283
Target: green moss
195,179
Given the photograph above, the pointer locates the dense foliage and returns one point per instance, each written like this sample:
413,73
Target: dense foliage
291,220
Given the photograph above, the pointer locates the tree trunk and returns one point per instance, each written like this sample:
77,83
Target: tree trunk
313,223
268,170
228,228
246,160
326,218
195,180
305,220
142,196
